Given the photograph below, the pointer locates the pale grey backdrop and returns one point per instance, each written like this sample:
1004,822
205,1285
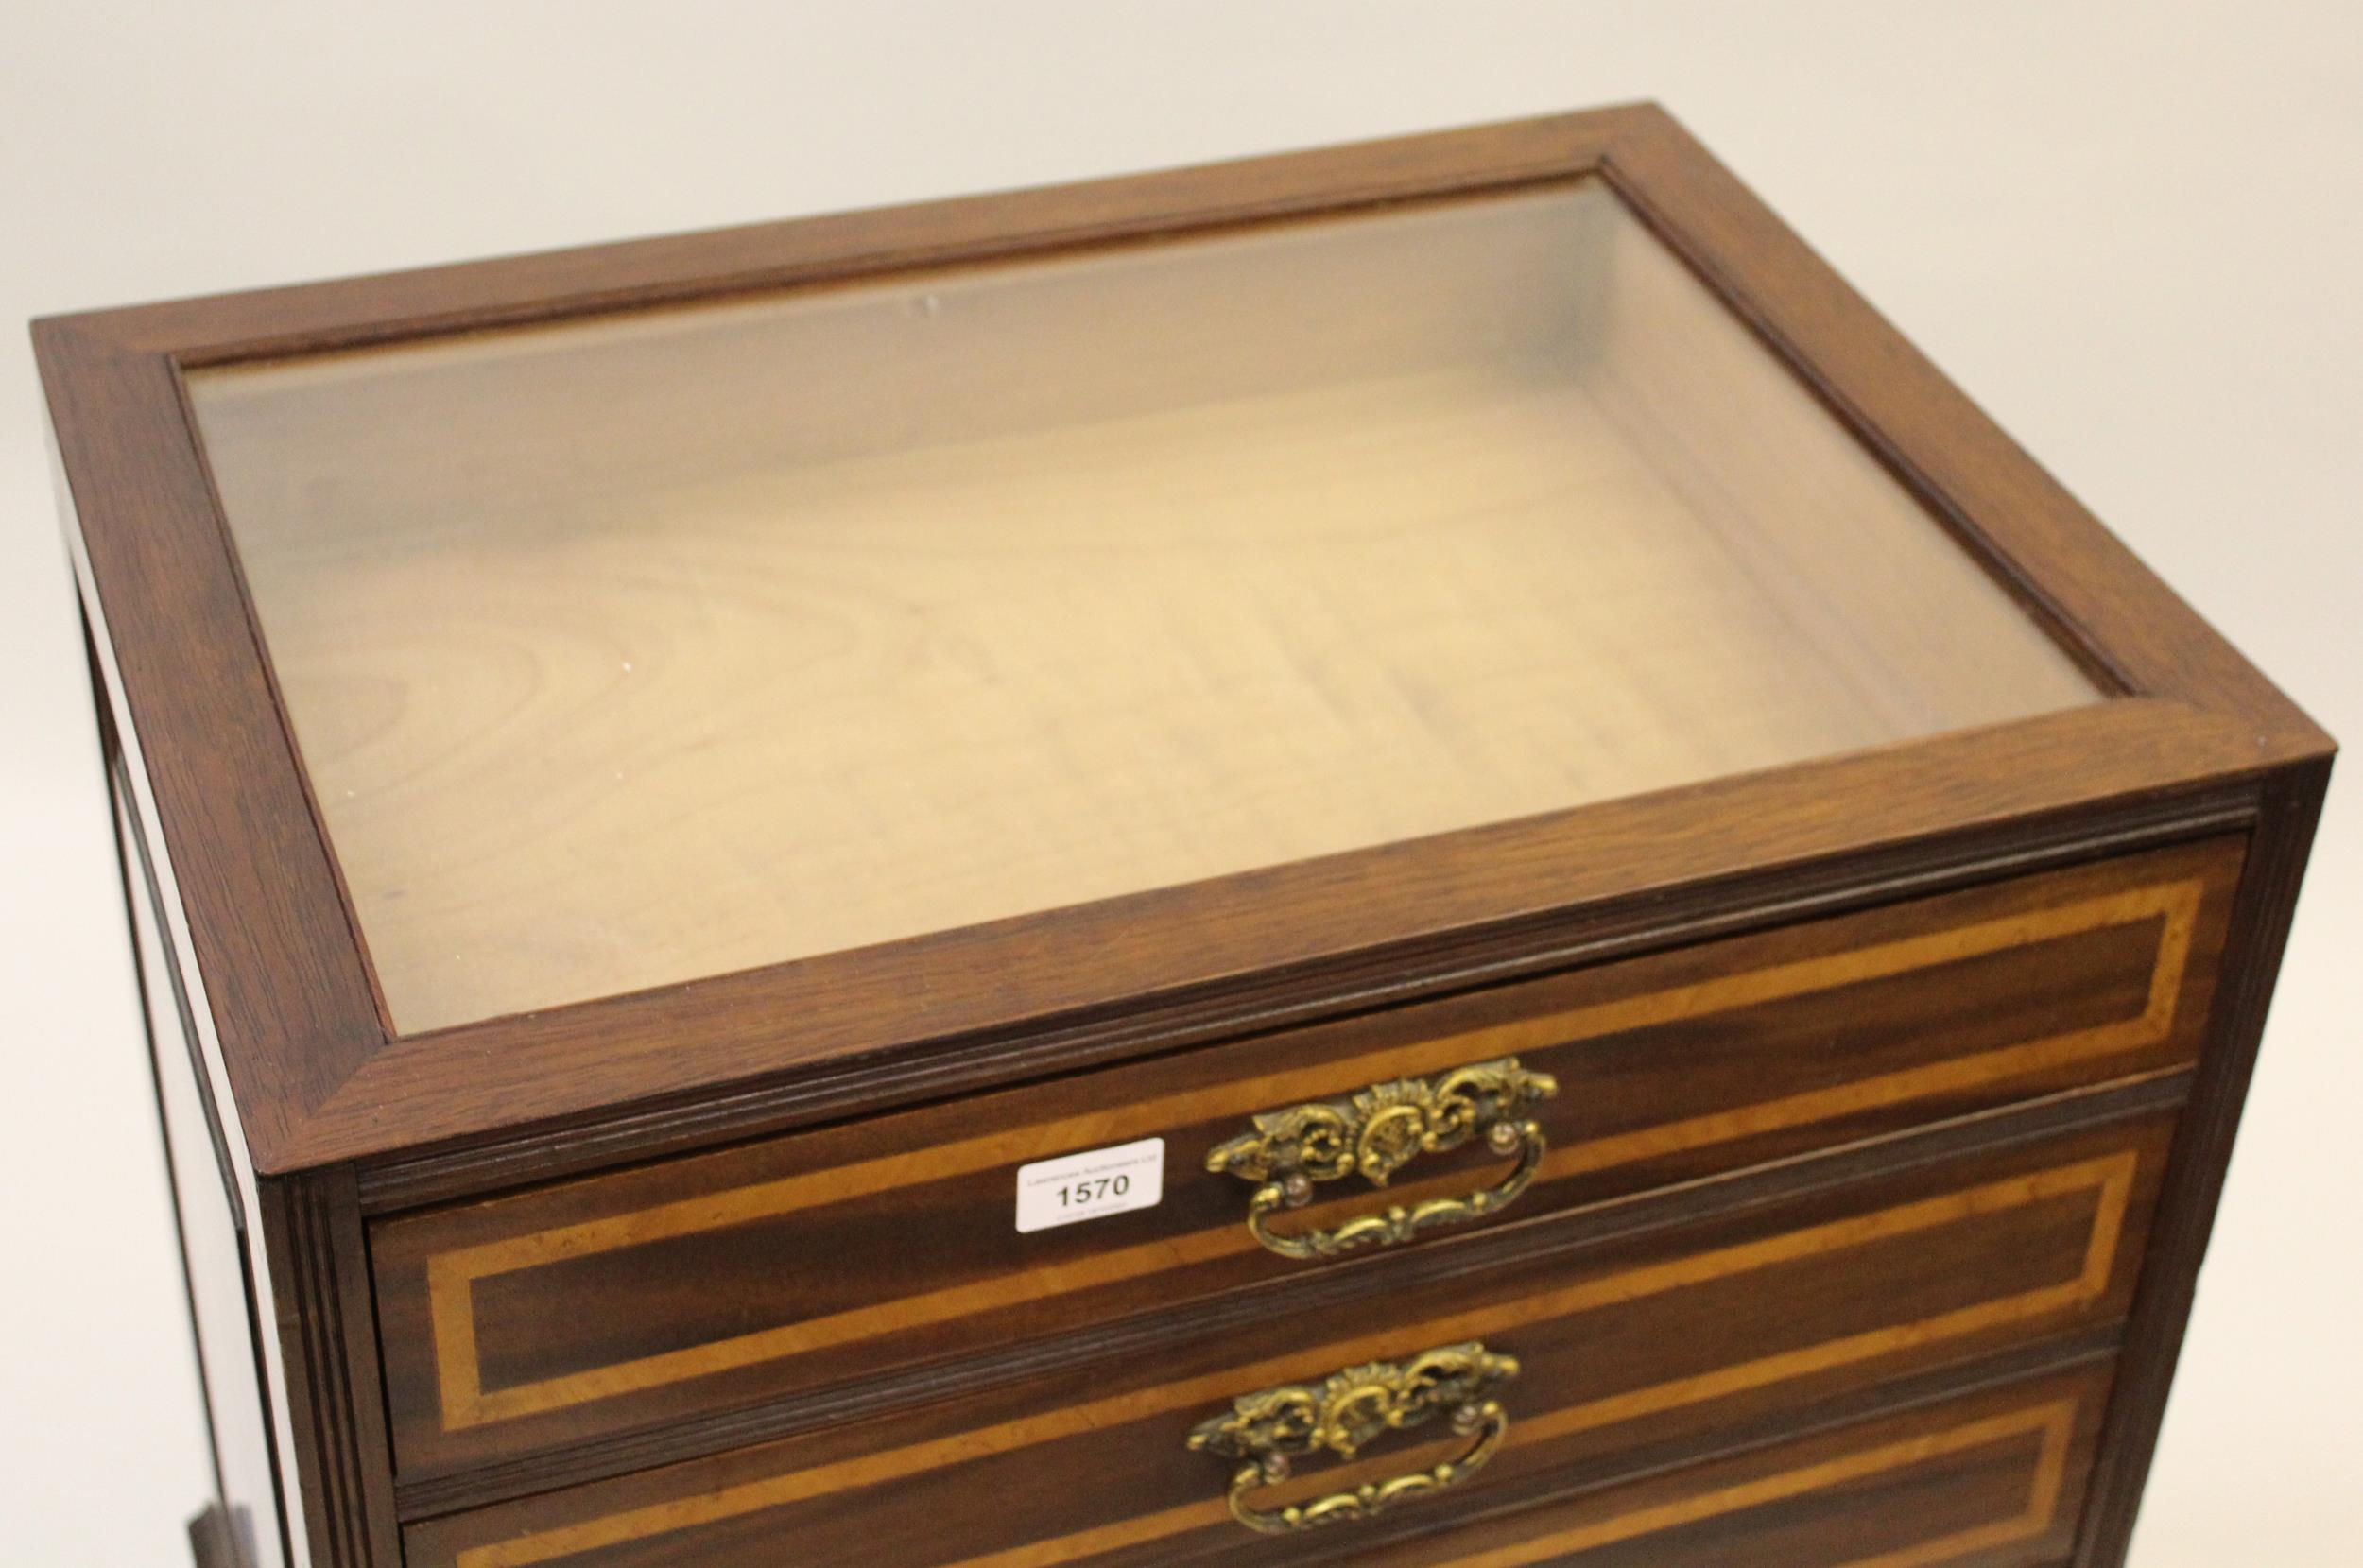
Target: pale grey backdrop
2129,229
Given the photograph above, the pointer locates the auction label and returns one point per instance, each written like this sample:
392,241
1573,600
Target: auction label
1090,1185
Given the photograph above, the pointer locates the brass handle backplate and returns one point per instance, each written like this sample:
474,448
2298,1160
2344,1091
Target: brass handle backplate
1353,1407
1376,1133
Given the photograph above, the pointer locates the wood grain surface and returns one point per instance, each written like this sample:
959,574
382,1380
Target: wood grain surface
1657,1339
1993,1480
593,1307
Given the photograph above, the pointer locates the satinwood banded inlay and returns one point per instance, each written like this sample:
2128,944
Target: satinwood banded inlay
451,1275
2053,1423
2110,1179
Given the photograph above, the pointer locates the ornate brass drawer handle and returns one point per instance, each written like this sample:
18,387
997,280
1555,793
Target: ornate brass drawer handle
1351,1408
1377,1132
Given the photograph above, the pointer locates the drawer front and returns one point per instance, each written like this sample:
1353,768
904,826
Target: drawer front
1664,1342
715,1282
1994,1480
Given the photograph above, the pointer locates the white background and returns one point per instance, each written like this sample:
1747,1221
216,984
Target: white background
2131,230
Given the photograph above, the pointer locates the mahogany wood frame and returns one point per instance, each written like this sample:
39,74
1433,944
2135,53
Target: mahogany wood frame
332,1114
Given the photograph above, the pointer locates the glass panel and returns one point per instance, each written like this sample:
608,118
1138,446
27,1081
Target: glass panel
628,651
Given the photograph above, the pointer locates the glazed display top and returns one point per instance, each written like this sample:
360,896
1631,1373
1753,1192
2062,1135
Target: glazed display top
660,645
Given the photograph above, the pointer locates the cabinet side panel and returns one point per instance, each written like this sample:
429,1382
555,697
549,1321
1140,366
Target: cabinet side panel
150,868
2290,805
212,1248
311,1227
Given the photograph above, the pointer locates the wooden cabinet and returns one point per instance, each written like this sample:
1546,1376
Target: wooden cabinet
1408,855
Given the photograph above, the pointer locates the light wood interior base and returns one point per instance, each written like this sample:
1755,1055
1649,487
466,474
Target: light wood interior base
576,738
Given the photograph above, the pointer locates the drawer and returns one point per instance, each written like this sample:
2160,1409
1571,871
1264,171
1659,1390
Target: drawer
1993,1480
704,1283
1547,1361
